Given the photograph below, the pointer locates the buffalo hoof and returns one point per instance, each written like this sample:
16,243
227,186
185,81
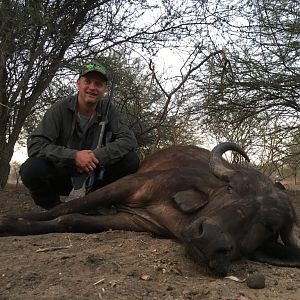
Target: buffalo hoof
6,223
11,225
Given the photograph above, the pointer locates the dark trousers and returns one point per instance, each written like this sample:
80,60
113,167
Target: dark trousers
47,182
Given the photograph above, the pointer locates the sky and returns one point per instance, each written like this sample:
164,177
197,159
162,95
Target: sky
20,154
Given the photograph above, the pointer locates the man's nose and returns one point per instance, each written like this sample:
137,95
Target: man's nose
92,85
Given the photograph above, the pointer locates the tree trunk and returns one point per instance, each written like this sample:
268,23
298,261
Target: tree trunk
5,157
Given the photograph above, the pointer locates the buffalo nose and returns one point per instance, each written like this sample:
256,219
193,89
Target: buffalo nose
220,266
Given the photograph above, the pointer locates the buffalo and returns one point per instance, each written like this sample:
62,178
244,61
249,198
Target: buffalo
219,211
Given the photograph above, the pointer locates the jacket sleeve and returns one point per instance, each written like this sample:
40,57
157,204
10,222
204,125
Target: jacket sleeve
42,141
123,140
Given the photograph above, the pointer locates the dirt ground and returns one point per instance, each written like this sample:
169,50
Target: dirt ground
121,265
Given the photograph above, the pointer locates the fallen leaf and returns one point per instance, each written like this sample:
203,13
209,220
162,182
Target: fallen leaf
234,278
145,277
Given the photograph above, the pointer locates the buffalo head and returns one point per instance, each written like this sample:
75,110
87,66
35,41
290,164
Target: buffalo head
242,215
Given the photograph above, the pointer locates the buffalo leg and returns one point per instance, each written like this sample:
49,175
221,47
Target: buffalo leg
115,193
75,223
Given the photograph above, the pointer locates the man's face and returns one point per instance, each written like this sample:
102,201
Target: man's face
91,88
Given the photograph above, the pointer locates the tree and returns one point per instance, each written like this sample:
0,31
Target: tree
41,39
255,87
32,50
15,168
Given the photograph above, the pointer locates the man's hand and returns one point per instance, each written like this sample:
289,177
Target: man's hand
85,161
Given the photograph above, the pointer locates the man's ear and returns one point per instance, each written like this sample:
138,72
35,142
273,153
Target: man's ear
77,83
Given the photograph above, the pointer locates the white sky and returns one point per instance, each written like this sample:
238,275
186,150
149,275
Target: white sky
20,154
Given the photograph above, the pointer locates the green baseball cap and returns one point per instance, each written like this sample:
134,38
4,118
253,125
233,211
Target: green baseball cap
94,67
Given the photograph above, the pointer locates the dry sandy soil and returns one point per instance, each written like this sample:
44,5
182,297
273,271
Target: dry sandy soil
121,265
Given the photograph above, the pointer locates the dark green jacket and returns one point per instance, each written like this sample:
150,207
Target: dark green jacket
59,136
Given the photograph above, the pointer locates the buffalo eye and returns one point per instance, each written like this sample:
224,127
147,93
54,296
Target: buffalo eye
200,229
224,251
229,188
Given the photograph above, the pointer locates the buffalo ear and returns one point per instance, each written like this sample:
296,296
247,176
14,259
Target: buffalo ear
190,201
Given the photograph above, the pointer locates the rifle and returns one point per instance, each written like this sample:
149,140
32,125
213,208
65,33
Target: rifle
89,178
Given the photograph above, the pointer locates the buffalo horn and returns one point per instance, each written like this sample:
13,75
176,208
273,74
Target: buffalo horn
216,163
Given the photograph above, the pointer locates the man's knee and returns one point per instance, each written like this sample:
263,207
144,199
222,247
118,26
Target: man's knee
34,170
44,182
127,165
130,162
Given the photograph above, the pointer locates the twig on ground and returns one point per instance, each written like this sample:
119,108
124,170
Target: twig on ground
99,281
48,249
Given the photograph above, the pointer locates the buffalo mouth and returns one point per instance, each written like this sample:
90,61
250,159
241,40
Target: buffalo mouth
219,263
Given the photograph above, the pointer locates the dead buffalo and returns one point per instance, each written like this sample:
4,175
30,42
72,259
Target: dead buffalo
220,212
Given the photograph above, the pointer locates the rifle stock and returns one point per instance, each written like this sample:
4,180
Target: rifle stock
79,180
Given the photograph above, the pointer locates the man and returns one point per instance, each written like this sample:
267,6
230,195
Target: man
64,145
